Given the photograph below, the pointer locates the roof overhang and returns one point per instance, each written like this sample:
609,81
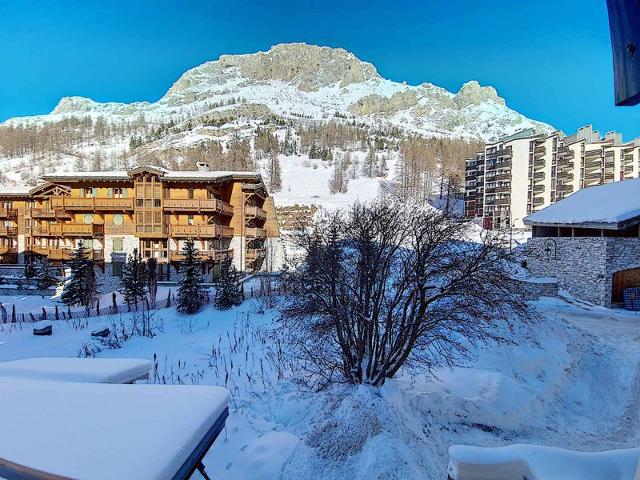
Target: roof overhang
623,225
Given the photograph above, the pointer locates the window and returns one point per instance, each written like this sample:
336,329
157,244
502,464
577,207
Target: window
190,193
88,218
118,219
88,192
118,244
190,220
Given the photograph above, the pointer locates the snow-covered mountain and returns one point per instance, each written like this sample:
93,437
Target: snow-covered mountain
289,86
294,80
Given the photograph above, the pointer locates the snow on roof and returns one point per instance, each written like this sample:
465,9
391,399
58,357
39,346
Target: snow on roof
88,370
600,205
165,174
105,431
17,190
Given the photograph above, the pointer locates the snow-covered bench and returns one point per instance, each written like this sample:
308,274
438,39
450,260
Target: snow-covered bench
534,462
88,370
53,429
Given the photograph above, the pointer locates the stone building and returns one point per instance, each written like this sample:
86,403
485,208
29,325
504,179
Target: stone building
589,242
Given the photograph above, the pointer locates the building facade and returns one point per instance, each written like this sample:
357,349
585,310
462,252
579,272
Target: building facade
525,172
151,209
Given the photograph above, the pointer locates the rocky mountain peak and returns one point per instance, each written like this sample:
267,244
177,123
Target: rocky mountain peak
73,104
472,93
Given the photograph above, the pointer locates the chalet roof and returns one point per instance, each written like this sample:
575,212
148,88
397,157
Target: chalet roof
164,174
613,206
19,190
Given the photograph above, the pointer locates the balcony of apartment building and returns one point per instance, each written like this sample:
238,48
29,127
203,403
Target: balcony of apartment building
49,214
64,253
7,231
489,200
85,204
537,201
506,200
8,213
255,232
539,151
66,230
200,231
565,188
538,189
197,205
503,189
565,176
203,255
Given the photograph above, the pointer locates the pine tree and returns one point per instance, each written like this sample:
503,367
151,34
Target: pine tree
82,286
369,165
338,183
228,288
134,279
152,279
45,274
191,295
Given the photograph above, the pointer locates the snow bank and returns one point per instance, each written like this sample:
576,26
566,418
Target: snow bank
540,463
87,370
103,431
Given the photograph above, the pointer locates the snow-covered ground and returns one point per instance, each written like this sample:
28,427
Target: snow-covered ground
568,378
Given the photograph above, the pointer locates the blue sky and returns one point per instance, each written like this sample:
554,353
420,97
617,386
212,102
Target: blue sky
550,60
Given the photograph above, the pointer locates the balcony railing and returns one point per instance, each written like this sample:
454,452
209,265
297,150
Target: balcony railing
76,229
8,231
197,205
204,255
91,204
64,254
7,250
255,232
200,231
124,229
257,212
255,253
45,213
152,230
8,213
503,201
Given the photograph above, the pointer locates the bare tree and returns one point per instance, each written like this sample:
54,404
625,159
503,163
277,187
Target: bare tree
383,286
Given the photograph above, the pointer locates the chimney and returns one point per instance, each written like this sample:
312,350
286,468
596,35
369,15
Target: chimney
202,166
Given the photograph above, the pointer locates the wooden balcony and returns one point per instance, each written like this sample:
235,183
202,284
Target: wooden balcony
66,230
8,213
8,231
7,250
255,253
200,231
91,204
203,255
151,231
47,214
64,254
255,232
197,205
124,229
255,212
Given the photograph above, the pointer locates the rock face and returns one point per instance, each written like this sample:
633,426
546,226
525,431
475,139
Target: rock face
472,93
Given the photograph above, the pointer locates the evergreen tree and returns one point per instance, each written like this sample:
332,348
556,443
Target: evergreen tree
191,295
152,279
134,279
228,288
369,165
45,274
82,286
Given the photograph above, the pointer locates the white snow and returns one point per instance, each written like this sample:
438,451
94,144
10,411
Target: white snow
540,463
610,203
87,370
564,380
105,431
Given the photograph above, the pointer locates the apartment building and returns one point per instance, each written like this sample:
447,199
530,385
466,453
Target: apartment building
154,210
525,172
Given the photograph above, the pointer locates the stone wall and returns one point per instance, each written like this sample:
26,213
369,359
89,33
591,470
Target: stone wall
583,266
534,288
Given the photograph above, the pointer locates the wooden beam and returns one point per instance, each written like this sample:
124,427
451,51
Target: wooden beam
624,23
